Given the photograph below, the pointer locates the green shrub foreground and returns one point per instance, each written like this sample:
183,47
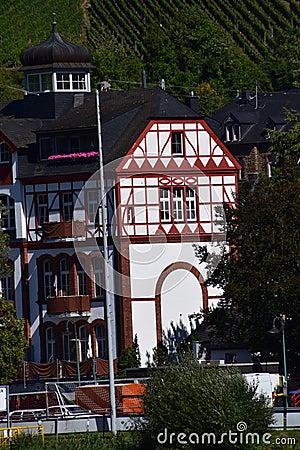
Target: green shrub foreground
188,405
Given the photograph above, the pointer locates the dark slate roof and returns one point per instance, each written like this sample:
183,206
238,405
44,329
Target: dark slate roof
254,117
55,51
124,115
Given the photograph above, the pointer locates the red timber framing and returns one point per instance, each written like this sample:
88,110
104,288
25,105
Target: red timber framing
168,186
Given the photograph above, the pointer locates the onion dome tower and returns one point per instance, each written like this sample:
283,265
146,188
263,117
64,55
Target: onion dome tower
54,70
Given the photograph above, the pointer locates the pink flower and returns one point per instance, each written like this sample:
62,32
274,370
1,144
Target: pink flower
73,156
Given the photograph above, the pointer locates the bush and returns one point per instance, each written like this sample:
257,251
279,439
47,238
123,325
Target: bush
189,398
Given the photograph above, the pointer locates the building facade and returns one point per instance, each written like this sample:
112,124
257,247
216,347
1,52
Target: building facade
166,172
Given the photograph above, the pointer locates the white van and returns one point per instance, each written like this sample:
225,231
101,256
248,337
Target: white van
263,384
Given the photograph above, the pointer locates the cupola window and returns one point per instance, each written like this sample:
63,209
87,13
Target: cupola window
39,82
71,82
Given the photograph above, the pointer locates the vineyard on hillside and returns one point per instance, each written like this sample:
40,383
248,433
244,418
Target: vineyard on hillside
252,24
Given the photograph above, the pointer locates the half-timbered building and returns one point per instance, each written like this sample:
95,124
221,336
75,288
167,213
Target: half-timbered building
166,172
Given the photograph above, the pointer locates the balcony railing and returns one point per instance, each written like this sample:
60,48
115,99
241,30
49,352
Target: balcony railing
57,230
68,304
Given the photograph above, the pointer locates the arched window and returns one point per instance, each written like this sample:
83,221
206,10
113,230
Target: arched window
83,339
49,289
67,353
98,277
81,279
101,341
64,275
50,345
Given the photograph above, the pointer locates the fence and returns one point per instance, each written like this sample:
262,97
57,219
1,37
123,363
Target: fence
7,435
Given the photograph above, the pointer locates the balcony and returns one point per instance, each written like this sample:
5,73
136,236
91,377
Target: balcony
59,230
69,304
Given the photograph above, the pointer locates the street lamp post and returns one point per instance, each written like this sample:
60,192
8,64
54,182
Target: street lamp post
275,330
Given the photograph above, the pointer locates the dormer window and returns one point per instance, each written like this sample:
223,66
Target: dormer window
232,132
4,153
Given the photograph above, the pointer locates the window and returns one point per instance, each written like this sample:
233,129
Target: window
98,277
81,280
46,82
165,205
232,132
78,81
67,354
50,345
92,206
67,206
6,287
34,83
4,153
49,289
230,358
178,204
8,215
190,205
71,81
83,339
39,82
64,277
100,338
63,81
46,148
42,208
177,143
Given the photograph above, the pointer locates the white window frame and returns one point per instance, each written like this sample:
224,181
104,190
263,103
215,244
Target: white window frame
232,132
49,289
190,204
81,279
178,204
70,81
165,205
64,277
4,153
177,145
98,277
50,344
92,207
67,206
42,208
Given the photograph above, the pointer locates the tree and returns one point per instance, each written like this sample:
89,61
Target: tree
260,272
130,357
12,340
189,398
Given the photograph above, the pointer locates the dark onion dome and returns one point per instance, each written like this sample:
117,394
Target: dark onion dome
55,52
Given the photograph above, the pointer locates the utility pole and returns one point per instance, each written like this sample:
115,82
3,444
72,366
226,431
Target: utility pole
109,296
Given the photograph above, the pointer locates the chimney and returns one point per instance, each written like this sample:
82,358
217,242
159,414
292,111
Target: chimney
192,102
245,96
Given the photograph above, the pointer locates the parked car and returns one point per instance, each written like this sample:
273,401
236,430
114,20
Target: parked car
27,415
70,411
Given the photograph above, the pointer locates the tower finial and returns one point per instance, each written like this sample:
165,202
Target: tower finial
53,23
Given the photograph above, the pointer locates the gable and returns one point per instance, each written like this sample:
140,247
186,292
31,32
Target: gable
202,149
